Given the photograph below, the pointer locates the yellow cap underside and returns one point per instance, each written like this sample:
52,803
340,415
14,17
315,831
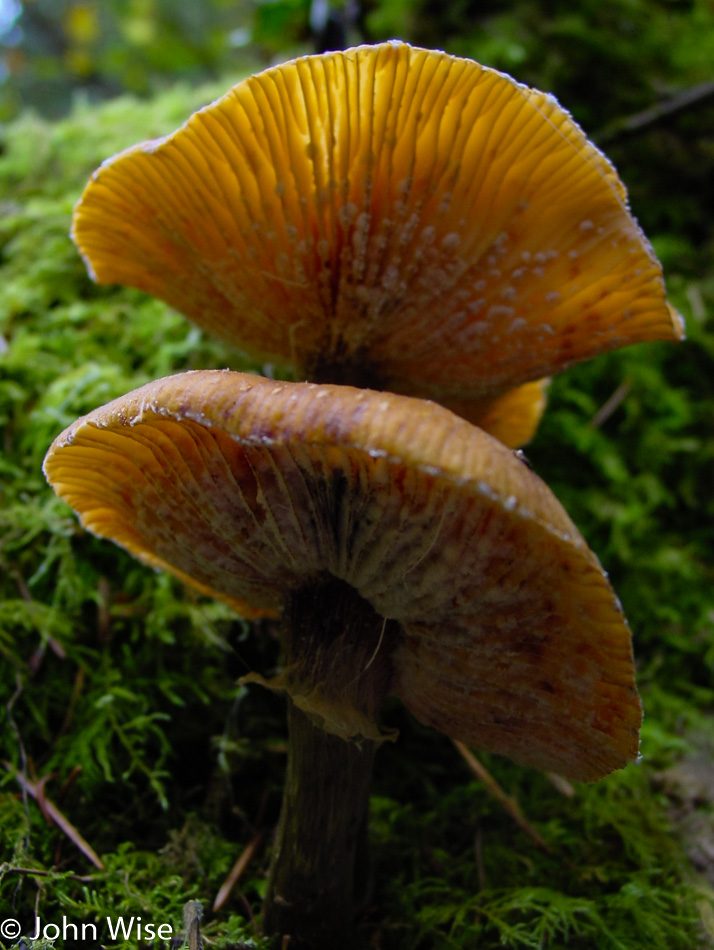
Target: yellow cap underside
456,227
247,488
512,418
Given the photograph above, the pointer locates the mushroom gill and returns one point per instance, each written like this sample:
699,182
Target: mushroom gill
386,217
409,553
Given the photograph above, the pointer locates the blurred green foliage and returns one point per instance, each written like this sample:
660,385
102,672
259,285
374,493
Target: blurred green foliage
119,686
100,48
607,57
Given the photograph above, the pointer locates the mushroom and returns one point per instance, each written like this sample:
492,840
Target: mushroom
408,553
386,217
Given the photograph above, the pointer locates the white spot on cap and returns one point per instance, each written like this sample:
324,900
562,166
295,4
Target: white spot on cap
391,276
347,213
486,489
499,311
552,297
586,225
153,145
451,241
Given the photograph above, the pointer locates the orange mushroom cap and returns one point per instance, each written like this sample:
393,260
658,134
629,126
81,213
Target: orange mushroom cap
509,634
386,216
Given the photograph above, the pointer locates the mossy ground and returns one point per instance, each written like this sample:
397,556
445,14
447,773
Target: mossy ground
118,686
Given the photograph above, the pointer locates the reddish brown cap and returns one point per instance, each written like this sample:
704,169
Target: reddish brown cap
385,216
509,635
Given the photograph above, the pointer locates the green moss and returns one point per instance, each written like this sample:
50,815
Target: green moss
123,684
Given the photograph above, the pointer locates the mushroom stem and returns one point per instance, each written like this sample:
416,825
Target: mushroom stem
319,871
339,366
338,671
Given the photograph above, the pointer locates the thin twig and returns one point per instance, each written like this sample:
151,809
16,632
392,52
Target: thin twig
192,914
249,911
506,802
71,778
20,581
641,121
53,812
608,407
561,784
236,871
77,688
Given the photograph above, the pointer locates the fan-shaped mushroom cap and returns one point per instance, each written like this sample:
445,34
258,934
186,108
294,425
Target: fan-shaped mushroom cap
510,637
385,216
